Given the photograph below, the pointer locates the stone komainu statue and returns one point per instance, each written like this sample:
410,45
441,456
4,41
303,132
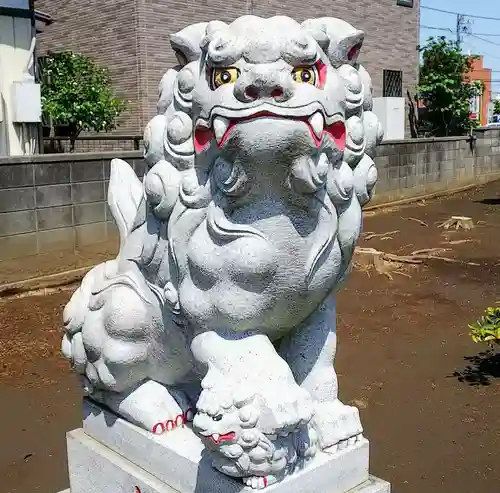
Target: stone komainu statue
221,298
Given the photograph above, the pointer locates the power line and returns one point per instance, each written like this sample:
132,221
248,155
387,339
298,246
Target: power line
484,53
489,55
483,39
432,28
477,51
447,29
461,13
477,36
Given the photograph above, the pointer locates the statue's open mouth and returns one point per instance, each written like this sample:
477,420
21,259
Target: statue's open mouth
222,127
218,439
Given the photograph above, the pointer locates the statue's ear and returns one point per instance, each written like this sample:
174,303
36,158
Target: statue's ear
186,43
213,27
338,39
317,29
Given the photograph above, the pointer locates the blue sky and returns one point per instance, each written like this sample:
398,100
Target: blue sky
489,46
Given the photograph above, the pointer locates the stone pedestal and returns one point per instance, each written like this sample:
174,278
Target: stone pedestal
113,456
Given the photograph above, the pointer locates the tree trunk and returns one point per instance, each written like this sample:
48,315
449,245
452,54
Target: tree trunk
73,135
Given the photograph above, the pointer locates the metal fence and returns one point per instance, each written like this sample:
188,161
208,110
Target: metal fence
93,143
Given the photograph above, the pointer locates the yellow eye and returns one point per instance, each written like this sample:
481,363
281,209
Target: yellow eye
221,76
305,75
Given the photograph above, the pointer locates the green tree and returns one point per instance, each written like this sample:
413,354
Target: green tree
77,93
445,89
496,109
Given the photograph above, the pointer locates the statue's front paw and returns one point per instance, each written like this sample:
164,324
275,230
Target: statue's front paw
248,428
285,408
337,425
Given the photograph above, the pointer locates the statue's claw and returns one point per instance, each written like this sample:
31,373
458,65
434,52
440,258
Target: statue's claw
258,482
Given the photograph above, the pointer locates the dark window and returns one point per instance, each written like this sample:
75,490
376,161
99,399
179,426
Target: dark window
393,84
405,3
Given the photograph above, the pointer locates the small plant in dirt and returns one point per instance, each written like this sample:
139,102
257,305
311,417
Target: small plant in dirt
77,94
487,328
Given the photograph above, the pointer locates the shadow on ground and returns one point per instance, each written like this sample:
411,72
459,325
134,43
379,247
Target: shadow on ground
492,201
481,369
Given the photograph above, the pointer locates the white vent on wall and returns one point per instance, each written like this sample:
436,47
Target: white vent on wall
391,113
26,102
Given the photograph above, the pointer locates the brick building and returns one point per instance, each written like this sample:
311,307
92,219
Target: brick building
131,38
480,104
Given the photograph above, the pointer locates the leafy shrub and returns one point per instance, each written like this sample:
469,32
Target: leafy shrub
77,93
487,328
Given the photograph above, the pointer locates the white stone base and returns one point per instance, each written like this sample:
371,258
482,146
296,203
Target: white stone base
111,455
373,485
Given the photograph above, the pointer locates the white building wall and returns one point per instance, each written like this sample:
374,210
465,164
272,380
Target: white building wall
15,41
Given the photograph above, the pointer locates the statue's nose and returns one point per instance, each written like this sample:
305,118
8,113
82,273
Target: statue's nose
251,88
253,92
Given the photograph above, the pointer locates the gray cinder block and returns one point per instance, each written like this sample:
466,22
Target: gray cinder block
52,173
89,213
87,192
56,239
12,223
16,175
54,217
17,246
53,195
87,171
17,199
89,234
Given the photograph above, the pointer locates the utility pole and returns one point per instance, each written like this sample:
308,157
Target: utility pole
463,27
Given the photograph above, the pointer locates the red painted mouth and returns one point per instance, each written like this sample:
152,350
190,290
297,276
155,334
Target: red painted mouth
217,439
202,138
337,132
203,135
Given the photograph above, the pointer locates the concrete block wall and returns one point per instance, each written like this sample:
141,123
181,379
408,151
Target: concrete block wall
487,151
56,202
417,167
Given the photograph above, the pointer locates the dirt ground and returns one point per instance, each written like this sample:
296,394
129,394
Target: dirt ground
20,269
429,397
